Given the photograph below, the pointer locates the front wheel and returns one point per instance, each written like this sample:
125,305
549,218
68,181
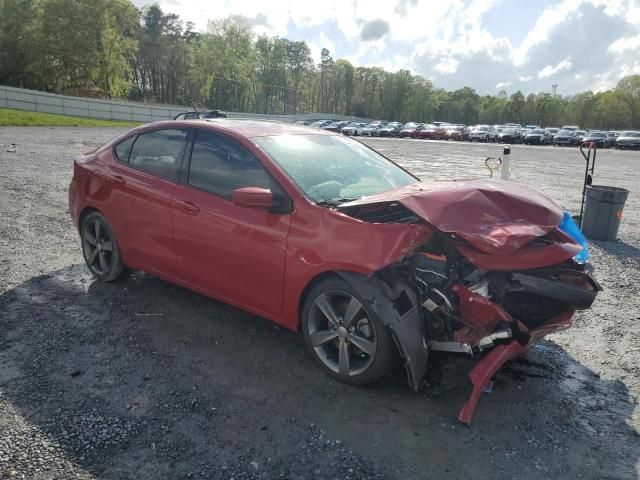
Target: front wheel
100,248
344,335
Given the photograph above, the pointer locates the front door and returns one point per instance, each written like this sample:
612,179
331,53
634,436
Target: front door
233,252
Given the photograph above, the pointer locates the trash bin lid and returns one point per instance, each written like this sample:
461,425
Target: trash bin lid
607,194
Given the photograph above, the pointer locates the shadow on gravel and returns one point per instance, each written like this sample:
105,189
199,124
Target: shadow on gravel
143,379
619,249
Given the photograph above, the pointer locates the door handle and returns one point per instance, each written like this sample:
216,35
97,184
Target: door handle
118,179
188,206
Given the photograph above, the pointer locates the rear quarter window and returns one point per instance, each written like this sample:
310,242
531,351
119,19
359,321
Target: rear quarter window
123,149
159,152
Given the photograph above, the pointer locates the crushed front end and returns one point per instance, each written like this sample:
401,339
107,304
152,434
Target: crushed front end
483,285
474,310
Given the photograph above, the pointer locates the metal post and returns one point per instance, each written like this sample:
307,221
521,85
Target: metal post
504,170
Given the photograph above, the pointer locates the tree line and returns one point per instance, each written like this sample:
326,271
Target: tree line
112,49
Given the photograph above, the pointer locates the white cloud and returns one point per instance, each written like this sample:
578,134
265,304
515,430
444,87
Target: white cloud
550,70
450,41
625,43
447,65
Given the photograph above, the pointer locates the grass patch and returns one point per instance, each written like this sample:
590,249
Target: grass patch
21,118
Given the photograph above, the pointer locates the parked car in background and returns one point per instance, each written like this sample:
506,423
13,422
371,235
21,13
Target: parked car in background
594,136
483,133
303,122
390,130
430,132
580,134
534,137
564,138
549,133
629,140
458,132
336,126
327,237
321,123
198,115
353,128
570,127
610,139
408,129
509,135
372,129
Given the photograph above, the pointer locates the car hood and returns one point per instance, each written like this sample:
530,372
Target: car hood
496,217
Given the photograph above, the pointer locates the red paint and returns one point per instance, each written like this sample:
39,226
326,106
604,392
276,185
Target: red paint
482,373
530,256
252,197
482,316
496,217
248,257
486,368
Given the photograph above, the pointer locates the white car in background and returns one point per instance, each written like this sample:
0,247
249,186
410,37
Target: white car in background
372,129
483,133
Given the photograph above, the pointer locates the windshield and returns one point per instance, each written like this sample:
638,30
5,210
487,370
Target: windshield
566,133
596,134
333,169
630,134
536,132
482,129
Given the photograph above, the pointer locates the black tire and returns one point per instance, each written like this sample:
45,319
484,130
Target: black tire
380,363
100,248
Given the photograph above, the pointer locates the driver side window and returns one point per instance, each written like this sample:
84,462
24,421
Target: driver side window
220,165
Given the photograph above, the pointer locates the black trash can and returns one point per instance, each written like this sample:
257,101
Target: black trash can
603,212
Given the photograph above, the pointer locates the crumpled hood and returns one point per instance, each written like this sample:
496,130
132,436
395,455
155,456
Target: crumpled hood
495,216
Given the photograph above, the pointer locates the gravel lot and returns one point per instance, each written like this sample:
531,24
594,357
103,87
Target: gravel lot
146,380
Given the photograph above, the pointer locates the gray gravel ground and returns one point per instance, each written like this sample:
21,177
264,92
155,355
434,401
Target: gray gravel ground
142,379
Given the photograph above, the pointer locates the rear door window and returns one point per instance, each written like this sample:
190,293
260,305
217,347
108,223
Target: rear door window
220,165
159,152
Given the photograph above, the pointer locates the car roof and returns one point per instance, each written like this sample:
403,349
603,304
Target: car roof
246,128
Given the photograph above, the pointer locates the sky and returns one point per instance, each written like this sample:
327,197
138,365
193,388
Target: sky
489,45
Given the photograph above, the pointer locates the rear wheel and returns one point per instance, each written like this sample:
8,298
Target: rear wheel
100,248
344,335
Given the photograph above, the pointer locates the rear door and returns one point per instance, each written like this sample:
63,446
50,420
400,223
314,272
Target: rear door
233,252
144,180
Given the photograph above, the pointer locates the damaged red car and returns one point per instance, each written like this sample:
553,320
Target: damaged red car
322,234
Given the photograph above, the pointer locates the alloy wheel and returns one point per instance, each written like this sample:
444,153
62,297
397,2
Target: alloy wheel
98,247
342,333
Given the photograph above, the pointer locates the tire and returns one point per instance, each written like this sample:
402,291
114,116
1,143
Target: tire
326,338
100,248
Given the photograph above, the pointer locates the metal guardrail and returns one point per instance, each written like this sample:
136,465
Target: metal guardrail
36,101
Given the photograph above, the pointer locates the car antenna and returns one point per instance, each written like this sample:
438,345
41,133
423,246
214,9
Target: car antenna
196,110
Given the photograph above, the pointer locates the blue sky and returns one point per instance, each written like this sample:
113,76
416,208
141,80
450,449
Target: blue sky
489,45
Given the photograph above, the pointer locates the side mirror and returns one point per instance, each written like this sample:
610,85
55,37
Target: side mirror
252,197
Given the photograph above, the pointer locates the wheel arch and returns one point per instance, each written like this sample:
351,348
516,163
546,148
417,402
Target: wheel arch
84,213
405,325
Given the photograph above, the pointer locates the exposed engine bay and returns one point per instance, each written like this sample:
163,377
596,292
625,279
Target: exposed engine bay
490,289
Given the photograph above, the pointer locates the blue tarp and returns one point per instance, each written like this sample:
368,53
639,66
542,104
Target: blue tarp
570,227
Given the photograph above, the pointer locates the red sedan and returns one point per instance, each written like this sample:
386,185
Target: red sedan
430,132
322,234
